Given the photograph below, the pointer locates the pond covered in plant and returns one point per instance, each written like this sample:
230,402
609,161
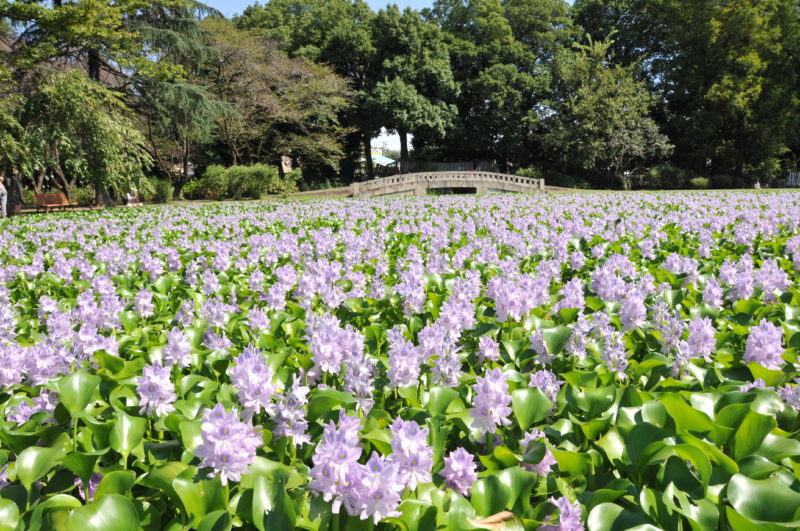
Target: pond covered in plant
597,360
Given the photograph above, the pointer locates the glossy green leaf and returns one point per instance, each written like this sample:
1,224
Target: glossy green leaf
764,500
439,398
75,391
107,513
127,433
530,406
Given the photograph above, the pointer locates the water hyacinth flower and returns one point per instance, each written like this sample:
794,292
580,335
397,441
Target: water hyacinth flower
229,445
411,452
251,376
790,394
548,383
178,350
155,389
83,491
460,471
488,349
764,346
290,413
543,467
491,402
569,518
702,340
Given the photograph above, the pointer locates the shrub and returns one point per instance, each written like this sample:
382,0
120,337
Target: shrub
673,177
84,195
27,197
163,191
722,181
700,183
238,182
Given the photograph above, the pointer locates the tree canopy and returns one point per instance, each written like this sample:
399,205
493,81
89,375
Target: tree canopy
591,93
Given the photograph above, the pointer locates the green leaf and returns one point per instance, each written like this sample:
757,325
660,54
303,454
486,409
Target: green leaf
116,482
751,433
35,462
127,433
81,464
556,338
612,517
324,400
764,500
111,512
439,398
686,418
9,515
217,521
75,391
272,507
529,406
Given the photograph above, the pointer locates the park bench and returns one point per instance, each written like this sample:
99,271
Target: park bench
50,202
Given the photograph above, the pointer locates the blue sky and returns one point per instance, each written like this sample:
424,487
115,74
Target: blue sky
232,7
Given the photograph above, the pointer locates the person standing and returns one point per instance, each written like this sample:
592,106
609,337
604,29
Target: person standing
3,198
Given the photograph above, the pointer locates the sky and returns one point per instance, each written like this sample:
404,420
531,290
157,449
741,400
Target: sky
233,7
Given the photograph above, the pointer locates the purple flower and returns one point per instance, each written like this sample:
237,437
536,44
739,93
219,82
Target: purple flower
411,452
491,402
404,360
615,357
543,356
459,471
143,302
229,445
253,378
572,295
489,349
548,383
178,350
569,518
290,415
633,312
790,394
543,467
702,340
94,482
771,278
155,389
764,346
712,293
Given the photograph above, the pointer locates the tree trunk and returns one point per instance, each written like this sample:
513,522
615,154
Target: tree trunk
368,157
403,144
94,65
67,185
38,181
14,201
101,197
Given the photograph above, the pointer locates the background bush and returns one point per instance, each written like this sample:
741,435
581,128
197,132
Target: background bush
700,183
162,191
238,182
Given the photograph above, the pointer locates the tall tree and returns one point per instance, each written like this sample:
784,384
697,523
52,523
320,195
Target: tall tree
500,81
284,106
600,125
85,134
414,89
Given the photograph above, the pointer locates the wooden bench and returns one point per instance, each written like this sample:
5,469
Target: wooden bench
50,202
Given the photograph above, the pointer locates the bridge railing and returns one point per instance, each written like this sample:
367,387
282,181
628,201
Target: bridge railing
467,177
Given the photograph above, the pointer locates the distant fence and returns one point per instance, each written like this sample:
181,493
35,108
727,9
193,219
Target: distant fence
415,166
794,178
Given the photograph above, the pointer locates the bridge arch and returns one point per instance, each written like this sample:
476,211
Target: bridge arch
419,183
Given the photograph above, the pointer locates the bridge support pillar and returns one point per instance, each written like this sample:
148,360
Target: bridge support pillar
481,188
420,189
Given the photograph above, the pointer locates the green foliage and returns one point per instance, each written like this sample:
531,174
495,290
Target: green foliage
85,133
237,182
700,183
84,195
163,191
602,124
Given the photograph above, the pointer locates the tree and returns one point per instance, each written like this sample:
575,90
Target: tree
500,79
601,123
85,134
284,106
414,89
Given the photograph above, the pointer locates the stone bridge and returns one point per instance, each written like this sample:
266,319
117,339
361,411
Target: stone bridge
419,183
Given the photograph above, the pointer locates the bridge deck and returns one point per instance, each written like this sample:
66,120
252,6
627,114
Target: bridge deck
420,183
